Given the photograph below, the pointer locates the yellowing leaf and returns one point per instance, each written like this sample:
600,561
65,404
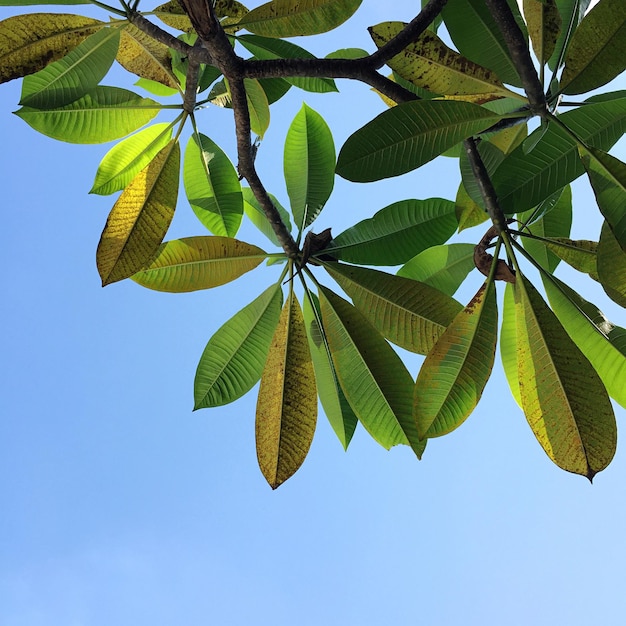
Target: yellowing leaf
612,266
544,26
564,400
286,411
29,42
140,218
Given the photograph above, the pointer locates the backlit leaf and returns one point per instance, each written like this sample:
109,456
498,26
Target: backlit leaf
235,356
29,42
579,253
255,213
508,343
564,400
286,412
572,12
456,370
258,106
544,26
411,314
468,212
408,135
611,263
196,263
212,186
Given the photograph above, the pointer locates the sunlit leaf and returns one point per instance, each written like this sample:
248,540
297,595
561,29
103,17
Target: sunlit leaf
572,12
173,14
255,213
564,400
396,233
408,135
468,213
508,343
286,411
309,165
336,407
140,218
442,267
212,186
29,42
411,314
258,106
104,114
544,26
196,263
597,51
581,254
611,263
293,18
128,157
235,356
71,77
375,381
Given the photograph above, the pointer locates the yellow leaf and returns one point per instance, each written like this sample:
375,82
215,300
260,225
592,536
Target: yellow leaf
286,412
140,218
544,26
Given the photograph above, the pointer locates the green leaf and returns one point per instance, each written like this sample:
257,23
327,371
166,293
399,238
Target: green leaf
456,370
580,254
255,213
235,356
286,411
407,136
544,26
508,343
523,180
128,157
442,267
294,18
589,329
74,75
411,314
267,48
430,64
477,37
373,378
146,57
140,218
468,213
607,176
25,3
212,186
597,52
173,14
156,89
564,400
557,222
572,12
29,42
341,417
104,114
309,164
491,157
258,106
194,263
396,233
612,266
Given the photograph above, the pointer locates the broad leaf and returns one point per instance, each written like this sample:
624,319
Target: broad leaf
607,176
212,186
477,37
294,18
196,263
491,156
407,136
572,12
456,370
140,218
524,180
74,75
373,378
25,3
104,114
258,106
508,343
286,411
468,212
268,48
255,213
544,26
396,233
309,164
611,263
142,55
29,42
581,254
589,329
597,52
430,64
564,400
173,14
442,267
235,356
341,417
128,157
411,314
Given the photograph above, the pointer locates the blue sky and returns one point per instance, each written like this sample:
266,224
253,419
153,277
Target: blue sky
122,506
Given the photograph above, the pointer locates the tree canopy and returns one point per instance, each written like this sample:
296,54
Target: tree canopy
502,89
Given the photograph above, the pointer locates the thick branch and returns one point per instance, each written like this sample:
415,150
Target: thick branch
485,185
520,53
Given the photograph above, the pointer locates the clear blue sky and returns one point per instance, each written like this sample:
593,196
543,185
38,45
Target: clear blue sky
120,506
